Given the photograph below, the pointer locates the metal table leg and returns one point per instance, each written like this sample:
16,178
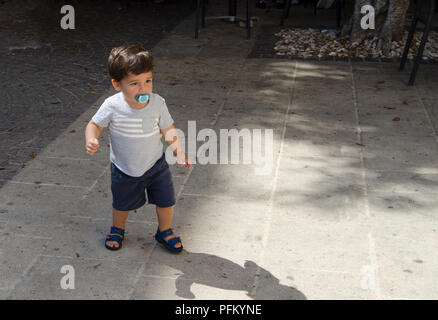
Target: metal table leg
198,6
427,23
285,12
338,13
232,9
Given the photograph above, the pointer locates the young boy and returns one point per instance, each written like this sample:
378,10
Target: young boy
136,117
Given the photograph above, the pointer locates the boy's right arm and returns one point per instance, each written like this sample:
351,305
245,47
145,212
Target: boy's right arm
92,132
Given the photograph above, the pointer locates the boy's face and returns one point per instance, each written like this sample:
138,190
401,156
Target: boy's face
133,84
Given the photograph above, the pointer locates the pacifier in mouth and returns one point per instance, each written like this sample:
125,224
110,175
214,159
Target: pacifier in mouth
142,98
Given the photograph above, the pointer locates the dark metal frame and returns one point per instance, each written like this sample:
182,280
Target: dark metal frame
287,9
232,9
427,22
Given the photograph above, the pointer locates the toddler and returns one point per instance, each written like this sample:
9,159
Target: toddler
137,119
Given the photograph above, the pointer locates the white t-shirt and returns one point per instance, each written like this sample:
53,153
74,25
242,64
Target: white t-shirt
134,134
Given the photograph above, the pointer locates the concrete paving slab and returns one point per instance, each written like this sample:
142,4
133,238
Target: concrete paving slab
229,118
3,294
37,204
345,248
202,111
320,87
94,279
331,202
397,123
85,239
402,204
187,96
37,173
313,138
170,50
259,81
235,181
414,180
406,270
340,106
268,66
416,228
254,105
147,289
61,148
224,74
237,261
333,78
382,152
316,285
405,102
313,174
216,66
180,82
18,255
215,274
231,51
378,75
208,218
222,269
404,233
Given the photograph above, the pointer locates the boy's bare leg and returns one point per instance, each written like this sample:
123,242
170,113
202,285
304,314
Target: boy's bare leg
164,216
119,221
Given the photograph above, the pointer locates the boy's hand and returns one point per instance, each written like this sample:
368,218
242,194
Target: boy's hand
183,160
92,146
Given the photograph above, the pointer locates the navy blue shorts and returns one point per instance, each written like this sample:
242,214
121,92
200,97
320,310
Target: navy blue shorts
129,192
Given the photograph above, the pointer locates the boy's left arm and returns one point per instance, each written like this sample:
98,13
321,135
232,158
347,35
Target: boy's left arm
171,137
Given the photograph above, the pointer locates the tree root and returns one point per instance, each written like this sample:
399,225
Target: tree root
389,20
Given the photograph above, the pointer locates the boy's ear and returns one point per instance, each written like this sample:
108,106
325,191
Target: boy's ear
116,84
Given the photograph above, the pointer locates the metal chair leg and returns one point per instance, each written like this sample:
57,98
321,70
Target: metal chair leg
198,7
422,44
248,21
427,23
408,43
203,14
338,13
285,12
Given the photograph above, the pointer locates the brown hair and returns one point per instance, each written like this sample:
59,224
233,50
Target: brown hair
130,58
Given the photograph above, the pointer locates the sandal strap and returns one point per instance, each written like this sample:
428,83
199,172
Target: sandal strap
164,233
114,237
117,231
172,242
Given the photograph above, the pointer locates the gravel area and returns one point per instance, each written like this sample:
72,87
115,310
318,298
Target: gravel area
328,43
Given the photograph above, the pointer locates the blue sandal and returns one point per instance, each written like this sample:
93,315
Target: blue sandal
117,235
169,244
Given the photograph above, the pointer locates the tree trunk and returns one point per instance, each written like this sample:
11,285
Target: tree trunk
389,22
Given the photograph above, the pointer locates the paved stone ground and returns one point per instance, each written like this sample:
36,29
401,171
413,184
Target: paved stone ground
348,211
52,75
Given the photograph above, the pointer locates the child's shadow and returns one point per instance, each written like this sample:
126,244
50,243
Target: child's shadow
221,273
